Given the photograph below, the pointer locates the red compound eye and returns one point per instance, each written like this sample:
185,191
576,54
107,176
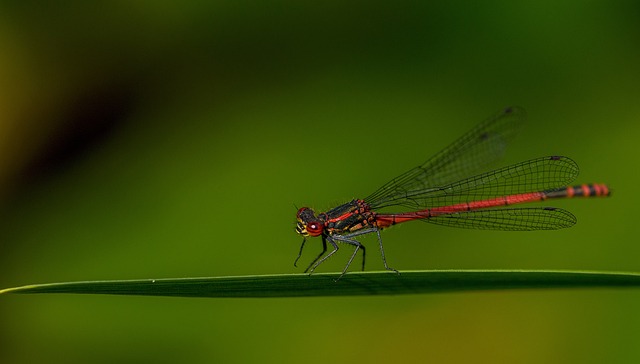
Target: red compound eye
315,228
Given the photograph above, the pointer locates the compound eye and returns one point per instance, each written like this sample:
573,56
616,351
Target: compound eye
315,228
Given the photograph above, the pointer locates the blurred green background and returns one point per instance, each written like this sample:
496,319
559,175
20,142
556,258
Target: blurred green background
156,139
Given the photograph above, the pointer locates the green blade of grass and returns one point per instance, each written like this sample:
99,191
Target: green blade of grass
367,283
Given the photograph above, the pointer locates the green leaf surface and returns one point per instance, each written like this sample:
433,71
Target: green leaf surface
353,284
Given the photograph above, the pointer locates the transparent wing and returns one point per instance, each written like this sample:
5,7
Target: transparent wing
472,153
535,175
516,219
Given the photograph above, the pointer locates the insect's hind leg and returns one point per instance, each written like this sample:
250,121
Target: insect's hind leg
367,231
384,259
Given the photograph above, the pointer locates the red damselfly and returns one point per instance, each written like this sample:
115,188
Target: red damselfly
441,191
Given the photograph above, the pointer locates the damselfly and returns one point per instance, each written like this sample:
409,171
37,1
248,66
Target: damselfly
441,191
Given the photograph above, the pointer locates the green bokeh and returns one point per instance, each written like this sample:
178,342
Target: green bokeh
243,112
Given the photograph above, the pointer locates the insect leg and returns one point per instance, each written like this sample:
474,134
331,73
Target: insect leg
317,262
345,239
304,240
324,250
367,231
384,260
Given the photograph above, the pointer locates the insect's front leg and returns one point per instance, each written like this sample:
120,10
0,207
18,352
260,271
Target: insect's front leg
317,262
295,263
324,250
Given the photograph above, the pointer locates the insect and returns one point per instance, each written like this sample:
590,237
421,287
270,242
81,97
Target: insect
450,189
